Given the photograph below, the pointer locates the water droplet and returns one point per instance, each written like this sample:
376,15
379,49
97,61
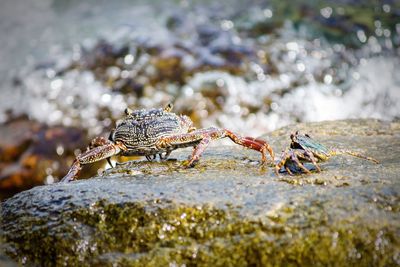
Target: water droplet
220,82
50,73
338,92
49,179
125,74
128,59
268,13
356,75
226,25
236,109
188,91
328,79
361,36
386,8
300,67
55,116
261,77
326,12
292,46
106,98
113,72
60,150
56,84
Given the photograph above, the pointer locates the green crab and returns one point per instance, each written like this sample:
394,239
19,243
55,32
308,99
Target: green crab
303,148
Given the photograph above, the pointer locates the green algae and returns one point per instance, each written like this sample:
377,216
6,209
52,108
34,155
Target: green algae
163,232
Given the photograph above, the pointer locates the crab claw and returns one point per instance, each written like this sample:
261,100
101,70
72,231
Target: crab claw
94,154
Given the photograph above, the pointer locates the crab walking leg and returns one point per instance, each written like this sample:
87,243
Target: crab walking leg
165,156
288,170
198,150
151,157
196,137
294,156
282,160
92,155
335,152
309,156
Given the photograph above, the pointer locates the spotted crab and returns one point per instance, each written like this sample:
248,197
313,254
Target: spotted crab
303,148
158,132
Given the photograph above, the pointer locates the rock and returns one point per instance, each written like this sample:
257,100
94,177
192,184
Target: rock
227,211
31,152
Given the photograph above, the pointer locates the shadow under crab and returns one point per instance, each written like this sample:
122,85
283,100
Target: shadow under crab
155,132
305,149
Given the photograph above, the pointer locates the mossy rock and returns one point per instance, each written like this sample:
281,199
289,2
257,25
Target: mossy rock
227,211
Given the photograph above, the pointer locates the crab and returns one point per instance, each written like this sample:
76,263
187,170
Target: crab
303,148
158,132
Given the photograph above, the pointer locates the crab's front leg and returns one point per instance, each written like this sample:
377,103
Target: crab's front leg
100,141
200,139
96,153
165,156
252,143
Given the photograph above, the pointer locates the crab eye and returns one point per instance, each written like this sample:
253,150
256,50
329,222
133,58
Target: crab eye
111,137
128,111
168,107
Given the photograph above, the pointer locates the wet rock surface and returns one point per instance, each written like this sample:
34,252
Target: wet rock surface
228,210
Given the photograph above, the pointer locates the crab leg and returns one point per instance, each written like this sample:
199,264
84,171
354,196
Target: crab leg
309,156
252,143
198,150
100,141
201,138
151,157
294,156
335,152
94,154
165,156
288,170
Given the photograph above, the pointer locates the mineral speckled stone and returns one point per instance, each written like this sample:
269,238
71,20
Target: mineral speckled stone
226,211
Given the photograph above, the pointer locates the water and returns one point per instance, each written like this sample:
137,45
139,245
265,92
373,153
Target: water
288,73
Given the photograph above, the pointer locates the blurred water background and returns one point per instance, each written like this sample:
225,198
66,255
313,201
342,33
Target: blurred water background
250,66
